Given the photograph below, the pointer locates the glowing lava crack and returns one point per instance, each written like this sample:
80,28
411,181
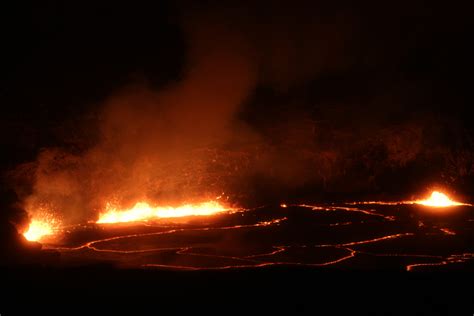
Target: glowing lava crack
346,235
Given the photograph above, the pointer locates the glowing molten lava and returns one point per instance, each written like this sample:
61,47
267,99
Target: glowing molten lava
40,228
438,199
143,211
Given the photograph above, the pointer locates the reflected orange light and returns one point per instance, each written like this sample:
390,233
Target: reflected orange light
144,211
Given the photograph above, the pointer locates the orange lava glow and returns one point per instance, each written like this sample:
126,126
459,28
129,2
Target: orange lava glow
40,228
143,211
438,199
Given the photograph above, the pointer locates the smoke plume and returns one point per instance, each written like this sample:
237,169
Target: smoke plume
279,97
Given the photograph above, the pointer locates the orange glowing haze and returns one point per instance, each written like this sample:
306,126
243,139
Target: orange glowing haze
143,211
438,199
